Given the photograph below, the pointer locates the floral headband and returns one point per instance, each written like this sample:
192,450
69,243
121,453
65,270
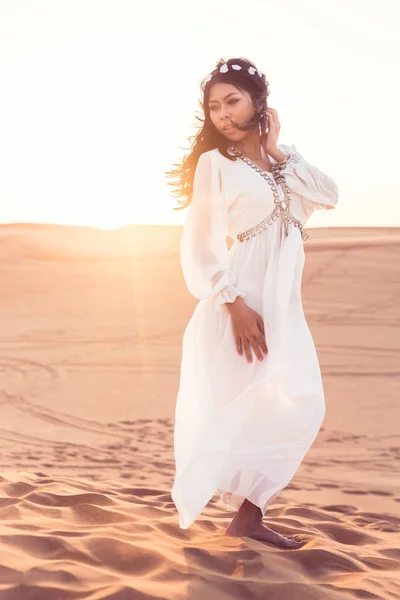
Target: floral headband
224,68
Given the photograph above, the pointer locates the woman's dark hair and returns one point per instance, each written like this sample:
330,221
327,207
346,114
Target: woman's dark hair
208,137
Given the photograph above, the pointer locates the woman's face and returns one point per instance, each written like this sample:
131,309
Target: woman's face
228,106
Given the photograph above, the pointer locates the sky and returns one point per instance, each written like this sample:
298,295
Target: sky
99,97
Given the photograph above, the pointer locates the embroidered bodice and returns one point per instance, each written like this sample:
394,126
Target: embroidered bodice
231,199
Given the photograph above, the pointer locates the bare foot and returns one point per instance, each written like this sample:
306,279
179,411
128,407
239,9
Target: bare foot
257,531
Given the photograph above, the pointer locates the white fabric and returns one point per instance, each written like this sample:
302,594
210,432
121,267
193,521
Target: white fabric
242,429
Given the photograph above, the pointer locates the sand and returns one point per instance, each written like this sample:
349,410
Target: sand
90,347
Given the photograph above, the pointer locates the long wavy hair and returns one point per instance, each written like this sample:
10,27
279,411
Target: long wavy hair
207,136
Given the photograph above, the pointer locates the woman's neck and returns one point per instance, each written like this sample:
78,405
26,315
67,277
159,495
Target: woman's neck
250,145
251,148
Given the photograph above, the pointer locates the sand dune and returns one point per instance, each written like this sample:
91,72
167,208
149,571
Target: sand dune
89,361
69,537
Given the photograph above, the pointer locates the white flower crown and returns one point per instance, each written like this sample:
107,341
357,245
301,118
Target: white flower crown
224,68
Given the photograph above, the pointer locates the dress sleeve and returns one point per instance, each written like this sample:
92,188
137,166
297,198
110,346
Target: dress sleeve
203,247
316,189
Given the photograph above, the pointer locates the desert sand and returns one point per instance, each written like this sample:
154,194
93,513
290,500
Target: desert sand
90,348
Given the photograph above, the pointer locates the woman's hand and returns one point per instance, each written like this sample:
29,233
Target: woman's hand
248,329
270,139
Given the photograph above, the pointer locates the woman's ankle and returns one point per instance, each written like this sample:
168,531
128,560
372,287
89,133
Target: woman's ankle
249,512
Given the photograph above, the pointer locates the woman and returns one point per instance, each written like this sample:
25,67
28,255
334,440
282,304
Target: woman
250,400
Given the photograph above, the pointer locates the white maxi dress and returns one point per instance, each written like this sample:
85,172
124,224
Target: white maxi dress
242,429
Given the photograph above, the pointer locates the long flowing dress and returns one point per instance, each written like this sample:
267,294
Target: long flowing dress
242,428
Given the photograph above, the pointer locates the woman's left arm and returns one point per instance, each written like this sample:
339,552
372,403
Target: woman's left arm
317,189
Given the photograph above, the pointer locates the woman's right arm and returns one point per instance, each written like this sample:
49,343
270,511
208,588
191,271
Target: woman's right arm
203,246
204,259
